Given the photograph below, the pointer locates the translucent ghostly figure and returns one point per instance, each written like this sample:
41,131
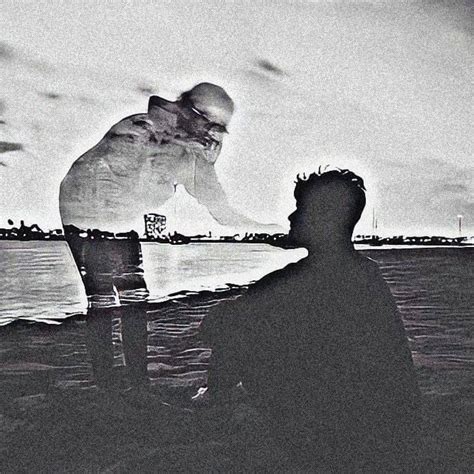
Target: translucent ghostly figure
136,167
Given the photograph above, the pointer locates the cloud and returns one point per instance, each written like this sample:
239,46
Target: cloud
463,207
263,69
8,146
453,188
268,66
147,90
6,52
50,95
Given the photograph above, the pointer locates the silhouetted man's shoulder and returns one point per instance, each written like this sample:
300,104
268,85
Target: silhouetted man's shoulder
238,315
275,279
370,266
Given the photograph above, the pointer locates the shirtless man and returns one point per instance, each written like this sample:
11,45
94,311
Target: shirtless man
135,168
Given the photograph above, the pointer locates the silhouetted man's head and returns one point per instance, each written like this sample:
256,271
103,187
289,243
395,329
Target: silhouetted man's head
328,206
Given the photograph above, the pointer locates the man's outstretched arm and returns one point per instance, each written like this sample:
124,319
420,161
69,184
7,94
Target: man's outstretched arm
205,187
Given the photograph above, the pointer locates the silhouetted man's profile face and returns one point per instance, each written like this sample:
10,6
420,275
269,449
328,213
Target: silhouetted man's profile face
328,206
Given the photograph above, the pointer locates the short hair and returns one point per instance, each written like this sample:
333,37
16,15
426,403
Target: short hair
351,185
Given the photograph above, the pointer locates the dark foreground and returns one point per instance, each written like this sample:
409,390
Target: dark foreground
93,431
54,418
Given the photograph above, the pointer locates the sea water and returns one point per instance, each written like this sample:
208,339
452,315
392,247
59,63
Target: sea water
432,287
40,281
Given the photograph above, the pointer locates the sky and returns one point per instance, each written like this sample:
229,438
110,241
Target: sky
383,88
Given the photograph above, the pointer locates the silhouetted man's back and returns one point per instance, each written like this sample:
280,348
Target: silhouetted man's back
320,345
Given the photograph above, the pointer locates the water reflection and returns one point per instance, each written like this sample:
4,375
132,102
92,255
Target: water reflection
111,269
112,272
41,282
133,324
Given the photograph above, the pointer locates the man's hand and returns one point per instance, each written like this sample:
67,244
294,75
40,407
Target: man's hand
208,398
201,398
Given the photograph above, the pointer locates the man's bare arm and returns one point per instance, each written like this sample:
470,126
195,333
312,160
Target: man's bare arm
206,188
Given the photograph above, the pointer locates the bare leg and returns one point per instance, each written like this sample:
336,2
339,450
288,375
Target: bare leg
134,342
100,347
133,292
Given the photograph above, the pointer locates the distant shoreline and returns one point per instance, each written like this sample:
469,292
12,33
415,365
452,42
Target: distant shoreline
281,239
408,246
358,246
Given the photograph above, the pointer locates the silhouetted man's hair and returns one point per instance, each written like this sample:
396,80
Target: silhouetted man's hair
344,192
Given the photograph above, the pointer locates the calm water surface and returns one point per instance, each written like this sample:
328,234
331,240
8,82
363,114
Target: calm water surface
40,281
432,287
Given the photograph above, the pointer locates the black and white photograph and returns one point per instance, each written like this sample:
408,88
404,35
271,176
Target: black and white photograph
236,236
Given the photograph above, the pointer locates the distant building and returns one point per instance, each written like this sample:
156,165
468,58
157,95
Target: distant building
55,234
155,225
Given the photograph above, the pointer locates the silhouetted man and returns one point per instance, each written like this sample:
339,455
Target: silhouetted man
319,345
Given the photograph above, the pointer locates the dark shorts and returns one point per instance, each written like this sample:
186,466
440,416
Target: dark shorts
111,270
